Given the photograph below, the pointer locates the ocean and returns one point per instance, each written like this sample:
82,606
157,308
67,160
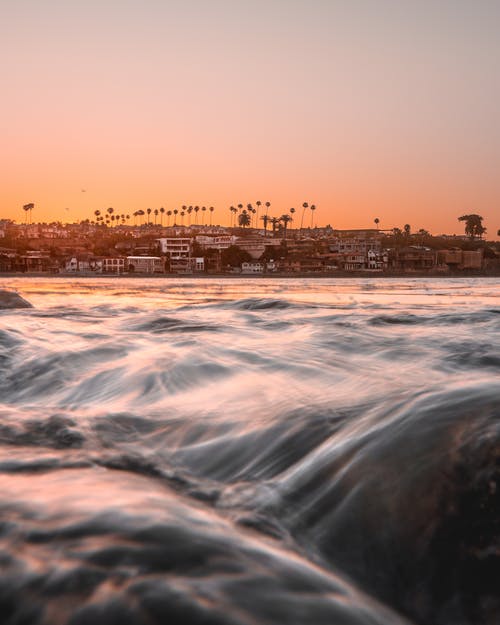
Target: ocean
250,451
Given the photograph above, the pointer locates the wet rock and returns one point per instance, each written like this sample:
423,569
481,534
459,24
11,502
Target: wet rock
9,300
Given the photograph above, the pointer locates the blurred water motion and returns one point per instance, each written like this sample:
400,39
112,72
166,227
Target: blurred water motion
250,451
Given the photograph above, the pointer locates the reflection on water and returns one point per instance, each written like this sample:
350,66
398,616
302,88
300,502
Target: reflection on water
250,451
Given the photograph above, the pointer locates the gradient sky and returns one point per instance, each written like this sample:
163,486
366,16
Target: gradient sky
367,108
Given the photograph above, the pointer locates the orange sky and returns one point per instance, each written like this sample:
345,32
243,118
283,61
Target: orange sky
367,109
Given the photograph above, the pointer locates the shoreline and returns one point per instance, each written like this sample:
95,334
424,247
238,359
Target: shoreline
259,276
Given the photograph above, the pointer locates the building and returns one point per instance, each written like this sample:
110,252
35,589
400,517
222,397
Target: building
252,267
254,245
413,258
197,263
145,264
36,261
219,242
458,259
114,265
175,247
377,260
354,245
353,261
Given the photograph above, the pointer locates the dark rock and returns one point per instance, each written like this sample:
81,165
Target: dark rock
9,299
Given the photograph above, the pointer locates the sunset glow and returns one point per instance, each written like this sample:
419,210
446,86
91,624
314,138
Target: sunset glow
367,109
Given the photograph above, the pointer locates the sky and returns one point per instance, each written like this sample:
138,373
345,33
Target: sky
366,108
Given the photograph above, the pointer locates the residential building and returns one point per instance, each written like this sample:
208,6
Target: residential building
412,258
219,242
114,265
145,264
252,267
175,247
456,258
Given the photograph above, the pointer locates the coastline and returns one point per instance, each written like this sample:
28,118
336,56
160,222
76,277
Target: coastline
259,276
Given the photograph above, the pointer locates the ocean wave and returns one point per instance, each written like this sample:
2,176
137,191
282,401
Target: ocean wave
257,452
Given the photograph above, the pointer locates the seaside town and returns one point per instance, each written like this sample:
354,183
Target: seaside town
187,241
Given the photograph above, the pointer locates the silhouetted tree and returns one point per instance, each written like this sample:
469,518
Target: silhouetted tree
234,256
286,219
244,219
473,225
305,205
265,219
312,208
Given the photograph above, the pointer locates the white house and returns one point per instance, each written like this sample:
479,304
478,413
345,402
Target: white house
145,264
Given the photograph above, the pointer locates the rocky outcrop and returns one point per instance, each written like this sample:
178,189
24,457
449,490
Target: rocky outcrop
9,299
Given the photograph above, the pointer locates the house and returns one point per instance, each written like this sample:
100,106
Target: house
377,260
413,258
456,258
145,264
114,265
252,267
353,261
219,242
37,261
175,247
197,263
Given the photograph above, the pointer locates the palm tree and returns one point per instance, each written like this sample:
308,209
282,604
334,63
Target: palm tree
203,211
196,211
189,211
286,219
156,214
141,213
274,222
97,213
407,230
176,212
265,219
268,204
304,206
211,209
292,211
169,214
258,204
162,210
148,211
312,209
244,219
250,211
182,217
376,221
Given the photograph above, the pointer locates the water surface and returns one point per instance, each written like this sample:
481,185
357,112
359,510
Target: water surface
250,451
